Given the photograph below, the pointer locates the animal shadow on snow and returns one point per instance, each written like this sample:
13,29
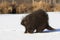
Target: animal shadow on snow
47,31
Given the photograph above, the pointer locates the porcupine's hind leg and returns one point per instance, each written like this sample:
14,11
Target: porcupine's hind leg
40,29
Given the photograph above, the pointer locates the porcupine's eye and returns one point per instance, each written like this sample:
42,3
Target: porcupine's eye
22,22
25,22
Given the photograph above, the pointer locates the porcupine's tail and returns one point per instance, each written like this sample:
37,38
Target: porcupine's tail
49,27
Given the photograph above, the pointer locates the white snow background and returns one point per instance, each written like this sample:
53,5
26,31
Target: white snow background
11,29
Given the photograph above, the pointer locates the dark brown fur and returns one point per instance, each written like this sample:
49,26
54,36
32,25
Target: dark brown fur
38,21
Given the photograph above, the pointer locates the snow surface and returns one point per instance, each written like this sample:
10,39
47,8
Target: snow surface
11,29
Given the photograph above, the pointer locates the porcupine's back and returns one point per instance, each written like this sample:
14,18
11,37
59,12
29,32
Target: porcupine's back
35,18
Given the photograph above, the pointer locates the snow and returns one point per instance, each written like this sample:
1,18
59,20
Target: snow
11,29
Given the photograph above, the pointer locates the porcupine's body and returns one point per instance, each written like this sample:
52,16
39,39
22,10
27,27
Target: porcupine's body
37,20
